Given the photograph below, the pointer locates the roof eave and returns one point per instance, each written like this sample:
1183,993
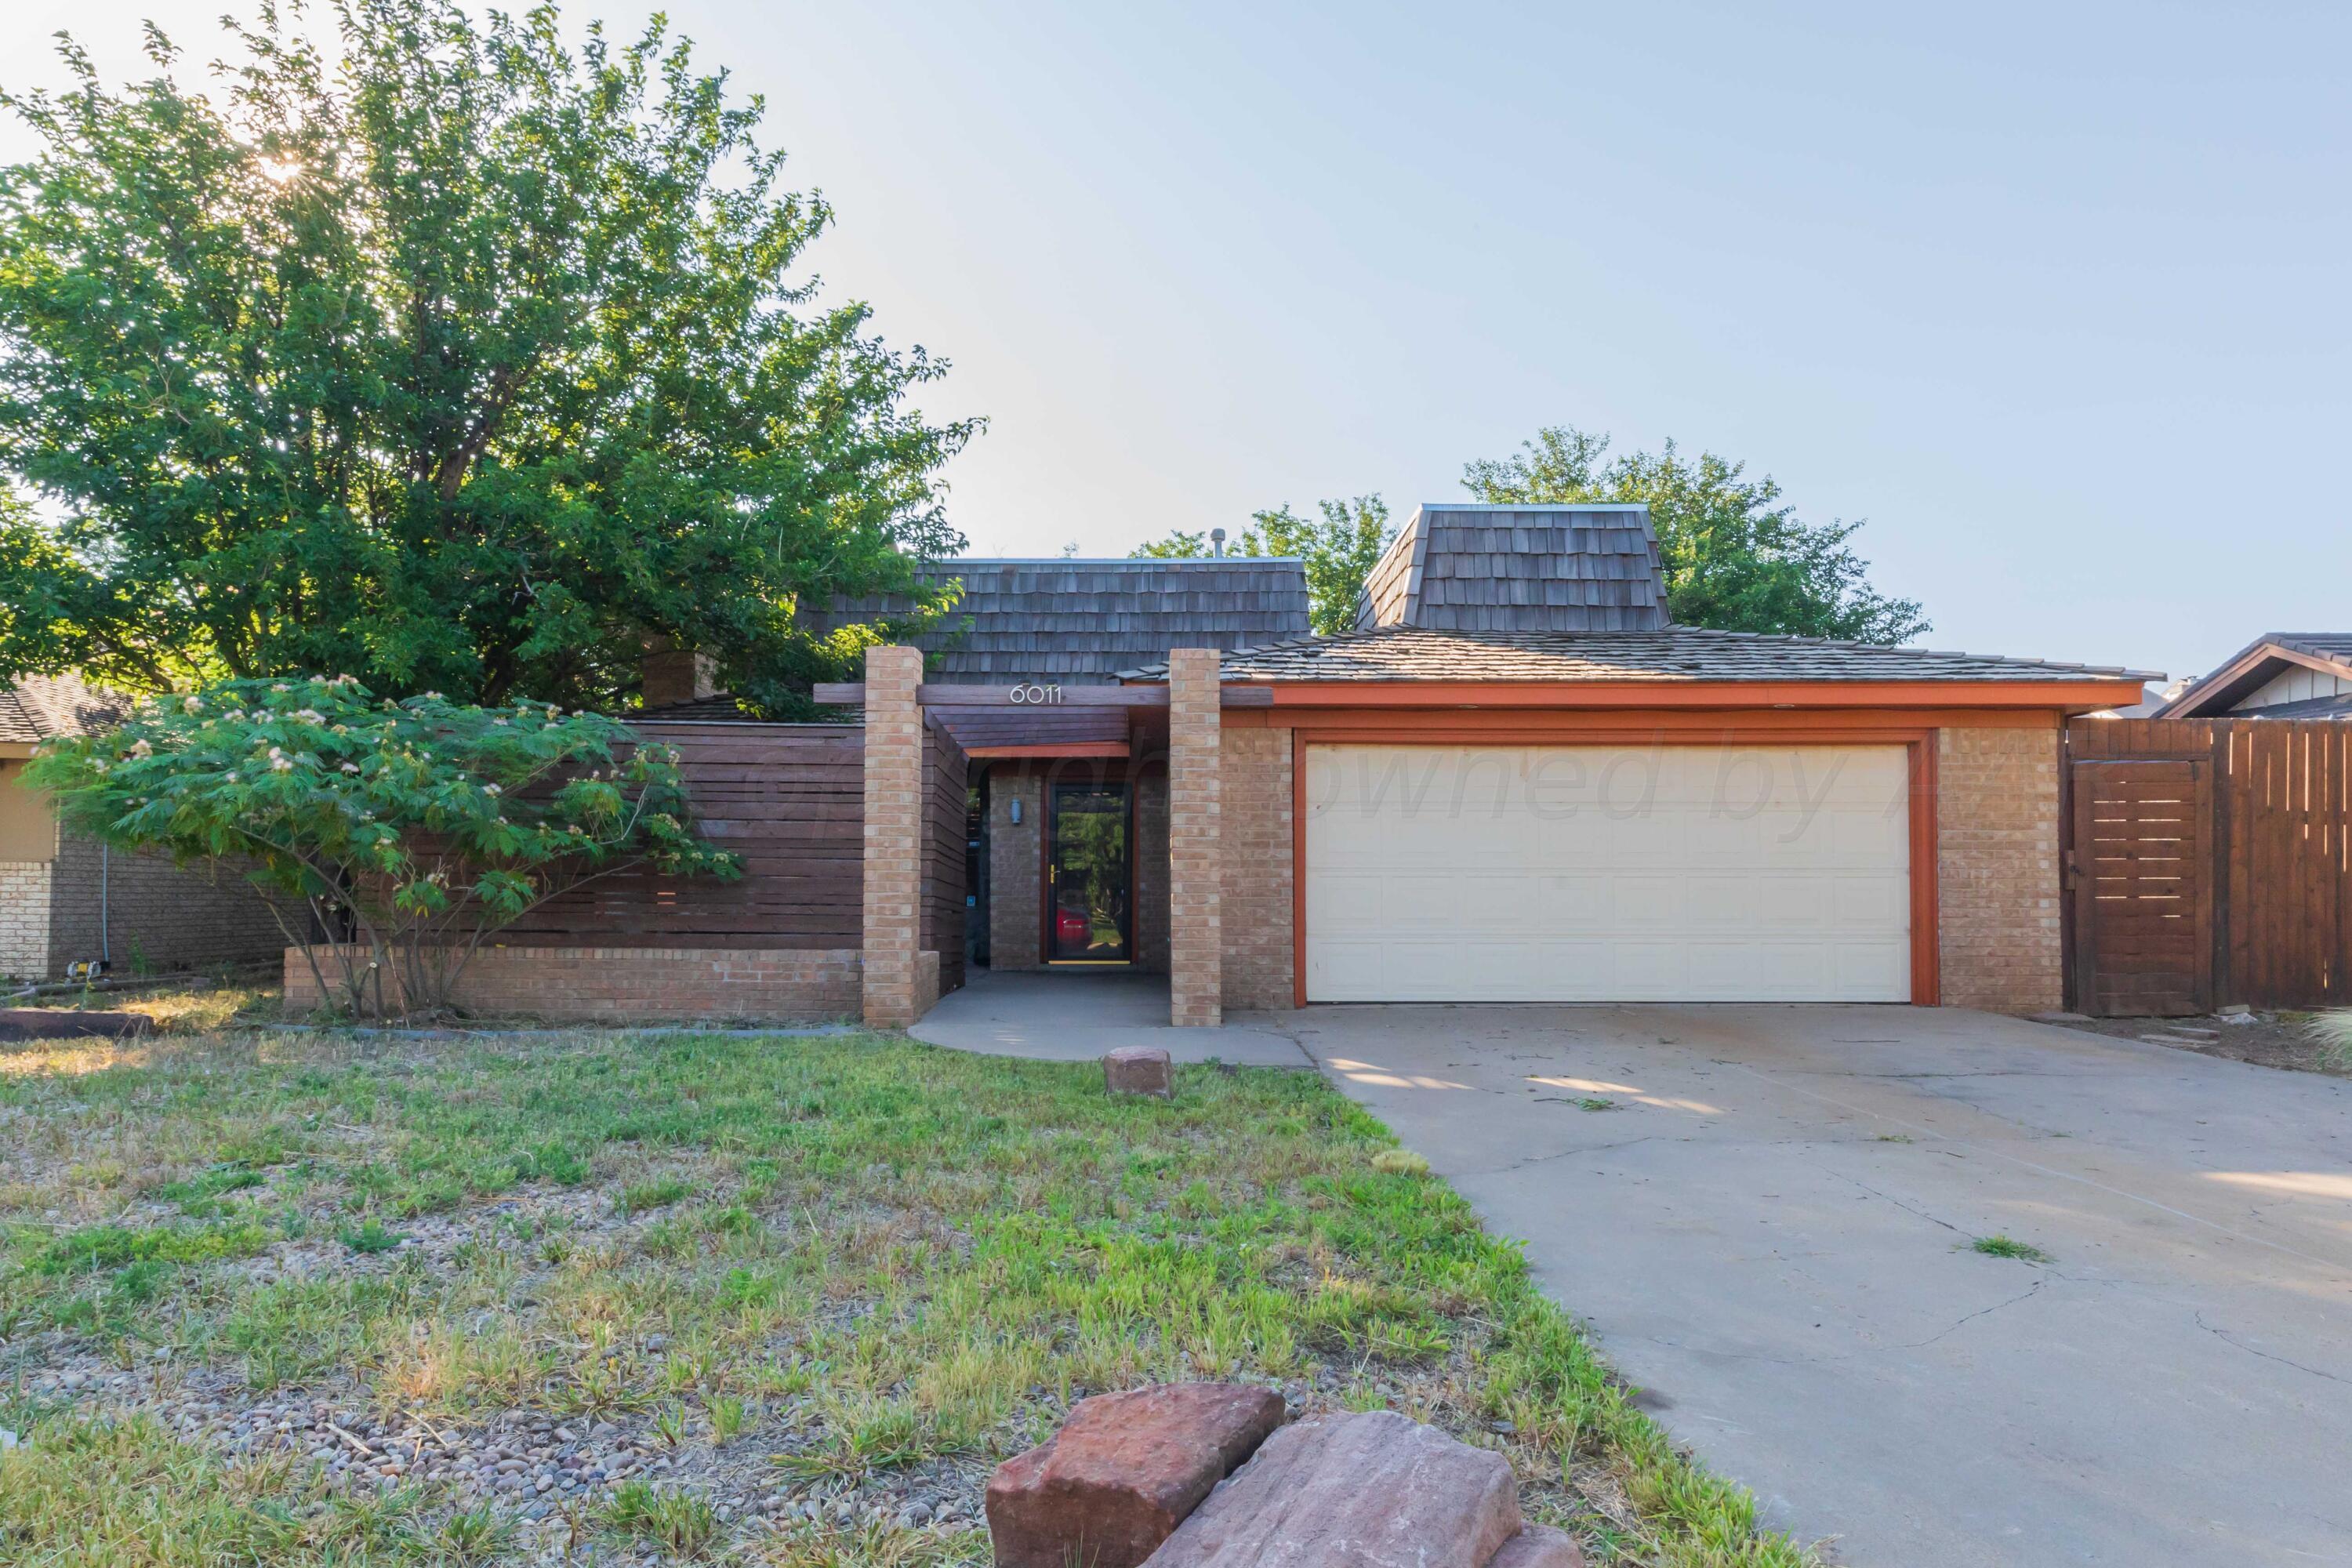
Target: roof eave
2244,671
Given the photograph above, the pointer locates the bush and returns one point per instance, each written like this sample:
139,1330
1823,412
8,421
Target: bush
413,828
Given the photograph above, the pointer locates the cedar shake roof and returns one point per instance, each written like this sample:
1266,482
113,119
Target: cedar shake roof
37,708
1673,654
1079,622
1519,569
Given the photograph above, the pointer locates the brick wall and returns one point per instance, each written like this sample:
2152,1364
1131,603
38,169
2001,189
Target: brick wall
1151,851
25,919
1195,860
895,794
159,916
1256,806
625,983
1014,869
1996,869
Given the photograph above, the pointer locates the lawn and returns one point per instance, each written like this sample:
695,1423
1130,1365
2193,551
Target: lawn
274,1299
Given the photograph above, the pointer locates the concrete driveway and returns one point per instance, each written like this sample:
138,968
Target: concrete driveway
1768,1227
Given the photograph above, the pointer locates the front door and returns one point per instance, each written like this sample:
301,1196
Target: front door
1089,915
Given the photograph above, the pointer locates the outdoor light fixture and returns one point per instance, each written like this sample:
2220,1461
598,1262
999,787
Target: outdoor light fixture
1016,814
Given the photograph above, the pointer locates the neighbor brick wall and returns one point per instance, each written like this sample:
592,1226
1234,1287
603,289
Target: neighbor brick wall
1195,862
1257,825
1150,852
1999,944
624,984
1014,869
895,790
25,919
158,916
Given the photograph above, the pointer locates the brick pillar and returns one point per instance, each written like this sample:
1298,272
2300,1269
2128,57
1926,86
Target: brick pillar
894,834
1195,863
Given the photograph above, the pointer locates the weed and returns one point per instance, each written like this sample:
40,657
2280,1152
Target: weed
1590,1103
2008,1247
681,1523
1401,1162
659,1193
370,1236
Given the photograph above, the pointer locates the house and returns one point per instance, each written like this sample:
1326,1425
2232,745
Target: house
2279,675
1517,780
67,900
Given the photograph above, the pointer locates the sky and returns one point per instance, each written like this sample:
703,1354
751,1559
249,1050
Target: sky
2055,296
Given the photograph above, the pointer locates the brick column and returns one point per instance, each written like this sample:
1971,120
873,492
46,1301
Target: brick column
894,834
1195,861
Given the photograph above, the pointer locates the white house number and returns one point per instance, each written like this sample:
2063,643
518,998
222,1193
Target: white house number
1033,695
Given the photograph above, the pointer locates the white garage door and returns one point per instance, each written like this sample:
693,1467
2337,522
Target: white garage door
1604,874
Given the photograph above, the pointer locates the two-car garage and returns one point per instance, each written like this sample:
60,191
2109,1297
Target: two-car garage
1665,873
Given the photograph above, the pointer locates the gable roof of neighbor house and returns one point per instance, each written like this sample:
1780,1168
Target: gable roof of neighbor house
2259,663
1477,568
37,708
1080,622
1669,655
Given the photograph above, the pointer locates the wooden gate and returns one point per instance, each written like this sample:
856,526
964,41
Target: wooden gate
2265,835
2140,858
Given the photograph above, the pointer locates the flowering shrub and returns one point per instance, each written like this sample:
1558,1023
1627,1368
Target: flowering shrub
416,828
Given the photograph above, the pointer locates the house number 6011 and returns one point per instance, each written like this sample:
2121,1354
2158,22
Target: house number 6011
1033,694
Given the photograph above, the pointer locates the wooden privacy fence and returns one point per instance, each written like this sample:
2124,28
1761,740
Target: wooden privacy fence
789,799
2205,864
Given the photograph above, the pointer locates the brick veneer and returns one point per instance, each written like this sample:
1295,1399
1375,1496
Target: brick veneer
1195,863
893,836
1256,806
1014,869
1151,866
158,916
620,983
25,919
2000,943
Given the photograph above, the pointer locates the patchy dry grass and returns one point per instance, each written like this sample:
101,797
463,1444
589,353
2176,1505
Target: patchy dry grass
198,1005
280,1300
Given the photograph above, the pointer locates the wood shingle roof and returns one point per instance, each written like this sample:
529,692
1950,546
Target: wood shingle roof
1519,569
1080,622
36,707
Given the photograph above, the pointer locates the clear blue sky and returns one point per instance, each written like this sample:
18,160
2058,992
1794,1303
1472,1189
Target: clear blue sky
2055,296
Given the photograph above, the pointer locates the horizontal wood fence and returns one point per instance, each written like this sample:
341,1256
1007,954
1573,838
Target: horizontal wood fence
790,800
2207,863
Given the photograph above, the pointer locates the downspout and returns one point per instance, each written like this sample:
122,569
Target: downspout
105,948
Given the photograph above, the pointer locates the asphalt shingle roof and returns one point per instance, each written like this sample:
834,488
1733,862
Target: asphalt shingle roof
1082,621
37,708
1669,655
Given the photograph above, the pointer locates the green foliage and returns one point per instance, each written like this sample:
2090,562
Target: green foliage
1735,557
425,824
1340,548
2008,1247
447,354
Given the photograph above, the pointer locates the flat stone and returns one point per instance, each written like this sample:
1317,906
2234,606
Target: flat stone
1538,1546
1366,1490
1123,1472
1139,1070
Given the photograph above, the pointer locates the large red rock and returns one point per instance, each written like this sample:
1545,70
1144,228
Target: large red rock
1538,1546
1122,1474
1139,1070
1371,1490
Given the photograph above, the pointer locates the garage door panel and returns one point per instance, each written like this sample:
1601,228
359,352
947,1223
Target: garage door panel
1607,873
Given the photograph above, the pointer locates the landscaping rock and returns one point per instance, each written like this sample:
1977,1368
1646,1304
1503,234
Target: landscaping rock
1139,1070
65,1024
1123,1473
1538,1546
1369,1490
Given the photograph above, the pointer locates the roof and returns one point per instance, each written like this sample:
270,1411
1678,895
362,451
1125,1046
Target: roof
1079,622
2254,665
1519,569
2336,707
37,708
1672,653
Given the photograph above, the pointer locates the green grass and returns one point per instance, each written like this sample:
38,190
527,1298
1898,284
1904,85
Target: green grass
2009,1247
925,1254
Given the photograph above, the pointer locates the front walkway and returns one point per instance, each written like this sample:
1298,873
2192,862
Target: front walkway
1767,1214
1076,1014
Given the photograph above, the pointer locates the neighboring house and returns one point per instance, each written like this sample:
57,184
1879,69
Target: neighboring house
1516,782
65,898
2279,675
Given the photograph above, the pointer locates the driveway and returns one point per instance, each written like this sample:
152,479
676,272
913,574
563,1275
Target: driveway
1769,1226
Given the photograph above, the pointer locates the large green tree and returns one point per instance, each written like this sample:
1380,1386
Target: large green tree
1339,547
454,356
1735,556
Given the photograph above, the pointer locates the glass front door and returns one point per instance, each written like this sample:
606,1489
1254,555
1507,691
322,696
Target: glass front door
1087,881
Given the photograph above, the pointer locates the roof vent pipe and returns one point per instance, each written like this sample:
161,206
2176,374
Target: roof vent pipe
1216,542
